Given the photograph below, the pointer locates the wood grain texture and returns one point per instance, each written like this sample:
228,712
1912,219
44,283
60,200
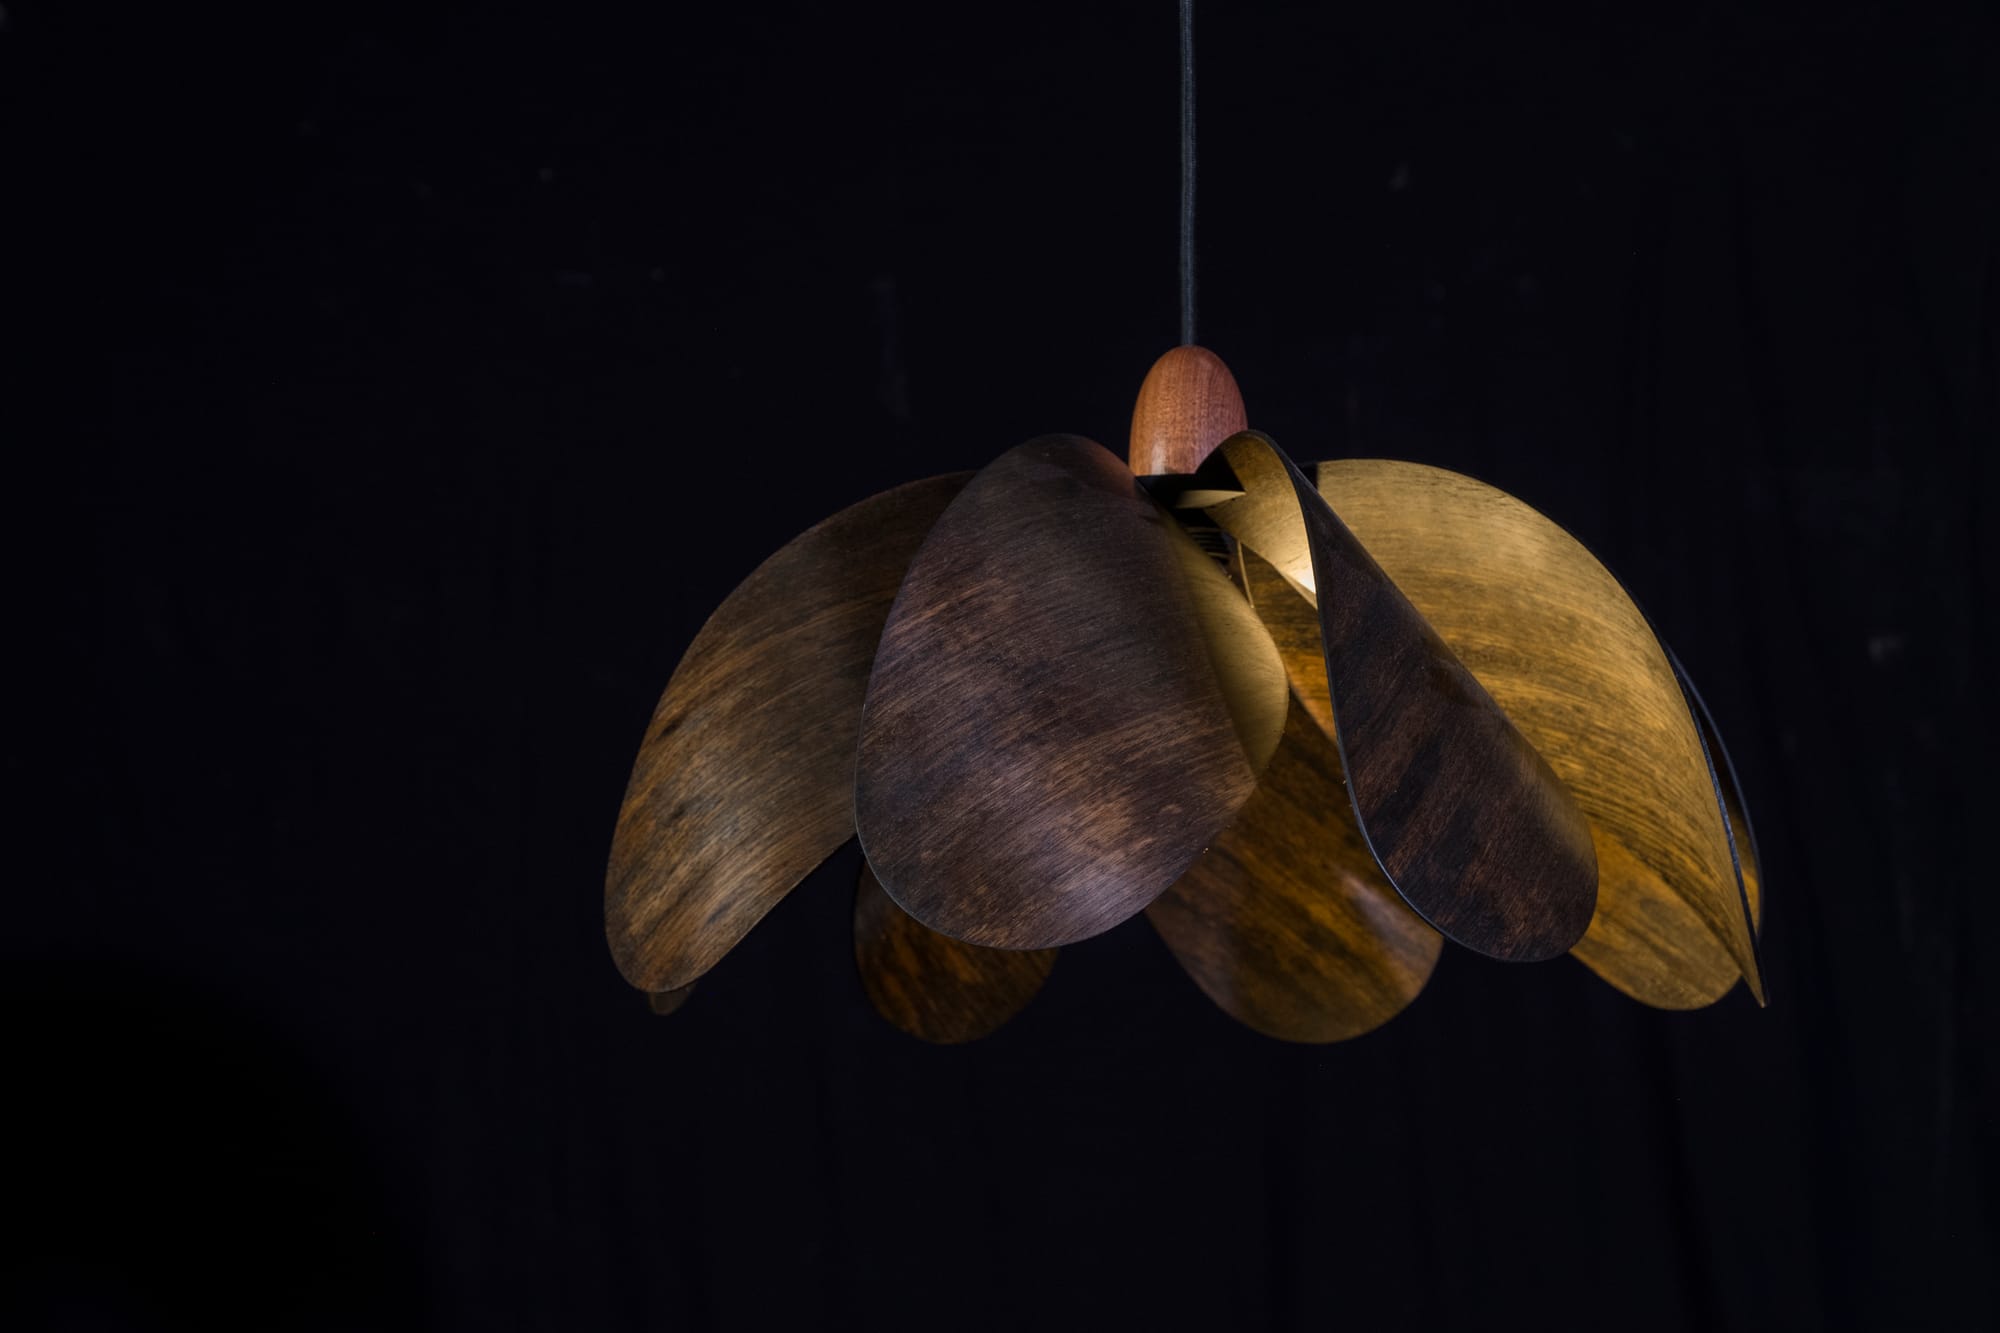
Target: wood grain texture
1051,733
932,986
1188,404
1286,922
1559,644
745,780
1466,819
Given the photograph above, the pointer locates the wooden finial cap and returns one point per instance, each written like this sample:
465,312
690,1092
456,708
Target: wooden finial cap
1188,405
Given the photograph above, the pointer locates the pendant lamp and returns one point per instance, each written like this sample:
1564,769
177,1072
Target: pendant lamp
1312,721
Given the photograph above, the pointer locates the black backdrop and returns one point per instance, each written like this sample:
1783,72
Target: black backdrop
399,389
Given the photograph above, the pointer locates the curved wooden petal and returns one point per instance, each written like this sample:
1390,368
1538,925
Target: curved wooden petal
1286,921
1465,818
1069,700
745,780
666,1002
932,986
1559,644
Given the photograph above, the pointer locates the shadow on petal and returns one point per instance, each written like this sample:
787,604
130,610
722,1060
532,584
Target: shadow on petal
932,986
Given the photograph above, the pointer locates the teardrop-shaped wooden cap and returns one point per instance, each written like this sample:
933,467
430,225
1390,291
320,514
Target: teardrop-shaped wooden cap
1187,406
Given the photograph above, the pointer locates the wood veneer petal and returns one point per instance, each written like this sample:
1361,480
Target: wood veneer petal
745,780
932,986
1466,819
1069,701
1286,922
1559,644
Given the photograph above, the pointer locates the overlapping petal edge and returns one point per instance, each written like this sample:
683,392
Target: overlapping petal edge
745,781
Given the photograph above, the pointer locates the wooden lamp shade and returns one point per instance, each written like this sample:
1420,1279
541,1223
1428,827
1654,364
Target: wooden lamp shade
1311,722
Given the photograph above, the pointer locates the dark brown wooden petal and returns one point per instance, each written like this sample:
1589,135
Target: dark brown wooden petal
1466,819
745,781
930,985
1561,646
1286,921
1069,701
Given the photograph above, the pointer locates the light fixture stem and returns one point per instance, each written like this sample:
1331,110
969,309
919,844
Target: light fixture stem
1187,171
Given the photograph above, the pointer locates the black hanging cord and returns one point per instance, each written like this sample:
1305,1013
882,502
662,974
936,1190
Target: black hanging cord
1187,171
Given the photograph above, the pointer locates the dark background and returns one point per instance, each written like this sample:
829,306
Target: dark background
396,388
